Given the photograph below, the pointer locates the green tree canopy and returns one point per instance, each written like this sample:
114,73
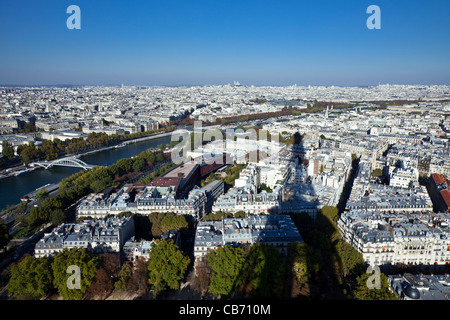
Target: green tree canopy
155,219
81,258
29,153
362,291
266,270
167,265
172,222
217,216
306,262
7,150
349,258
377,172
57,216
331,212
165,222
101,184
139,165
31,278
125,274
41,195
227,264
239,214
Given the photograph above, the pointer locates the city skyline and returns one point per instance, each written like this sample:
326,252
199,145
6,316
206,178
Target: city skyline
262,43
225,151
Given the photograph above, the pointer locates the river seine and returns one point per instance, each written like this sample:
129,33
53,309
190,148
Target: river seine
14,188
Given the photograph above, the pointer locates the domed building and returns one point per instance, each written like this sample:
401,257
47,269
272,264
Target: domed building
420,287
410,293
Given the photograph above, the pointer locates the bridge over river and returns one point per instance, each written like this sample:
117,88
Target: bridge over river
65,162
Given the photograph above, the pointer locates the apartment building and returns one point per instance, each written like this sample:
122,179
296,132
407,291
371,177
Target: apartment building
144,199
414,238
98,236
278,231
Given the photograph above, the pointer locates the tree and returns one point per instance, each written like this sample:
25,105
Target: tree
239,214
321,241
80,258
167,265
217,216
139,165
7,150
49,150
110,262
165,222
227,265
377,172
202,276
31,278
125,274
29,153
330,212
172,222
34,218
362,291
266,270
57,217
103,282
124,165
263,186
348,257
139,280
4,235
306,262
102,285
142,227
159,157
100,185
41,195
155,219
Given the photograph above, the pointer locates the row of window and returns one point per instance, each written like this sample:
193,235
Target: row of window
50,246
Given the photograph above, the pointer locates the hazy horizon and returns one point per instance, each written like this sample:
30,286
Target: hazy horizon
203,42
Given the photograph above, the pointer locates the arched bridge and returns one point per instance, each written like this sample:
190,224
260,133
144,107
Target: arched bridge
65,162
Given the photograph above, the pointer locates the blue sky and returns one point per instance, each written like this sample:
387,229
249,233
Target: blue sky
198,42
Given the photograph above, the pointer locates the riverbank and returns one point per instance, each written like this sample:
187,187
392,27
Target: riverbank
127,142
13,188
15,171
23,169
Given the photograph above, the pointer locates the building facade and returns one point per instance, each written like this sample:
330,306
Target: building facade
98,236
276,230
398,238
